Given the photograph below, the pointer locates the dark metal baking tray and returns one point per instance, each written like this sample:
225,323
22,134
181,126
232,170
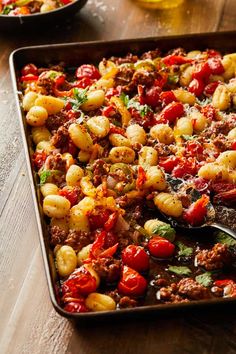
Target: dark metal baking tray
40,20
74,54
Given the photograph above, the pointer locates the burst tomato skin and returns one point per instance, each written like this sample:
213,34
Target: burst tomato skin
196,87
75,306
136,258
167,97
70,194
215,66
131,283
97,221
84,82
197,211
160,247
185,167
169,163
202,71
210,88
38,159
80,283
172,111
29,69
87,70
151,96
194,148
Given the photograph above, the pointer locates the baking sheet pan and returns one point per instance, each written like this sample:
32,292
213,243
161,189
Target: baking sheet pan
75,54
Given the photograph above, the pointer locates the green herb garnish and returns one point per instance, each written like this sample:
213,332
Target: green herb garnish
8,9
173,79
165,231
204,279
180,270
184,251
44,176
143,109
79,97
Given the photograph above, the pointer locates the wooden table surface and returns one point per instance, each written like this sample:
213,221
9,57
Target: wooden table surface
28,321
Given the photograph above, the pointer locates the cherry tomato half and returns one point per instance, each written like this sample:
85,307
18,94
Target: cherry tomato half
80,282
197,211
29,69
160,247
172,111
196,87
89,71
70,194
216,66
135,257
167,97
132,283
169,163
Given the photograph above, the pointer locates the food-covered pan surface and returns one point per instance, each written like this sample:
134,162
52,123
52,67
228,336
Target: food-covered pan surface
74,55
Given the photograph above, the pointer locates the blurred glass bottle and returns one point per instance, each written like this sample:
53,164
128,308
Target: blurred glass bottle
159,4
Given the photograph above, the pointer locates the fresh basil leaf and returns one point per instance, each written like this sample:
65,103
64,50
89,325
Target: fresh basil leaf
174,182
184,251
166,231
195,195
8,9
124,98
80,97
180,270
204,279
44,176
222,237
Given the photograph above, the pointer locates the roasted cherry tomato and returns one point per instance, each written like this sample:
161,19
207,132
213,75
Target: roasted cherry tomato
213,53
160,247
29,69
113,91
70,194
75,307
196,87
110,239
102,239
197,211
233,146
223,282
215,66
202,71
184,168
168,163
202,185
84,82
167,97
135,257
194,148
98,220
108,111
176,60
131,283
38,159
29,77
80,282
172,111
149,96
210,88
89,71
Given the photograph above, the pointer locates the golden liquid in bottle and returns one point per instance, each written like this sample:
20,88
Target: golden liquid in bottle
159,4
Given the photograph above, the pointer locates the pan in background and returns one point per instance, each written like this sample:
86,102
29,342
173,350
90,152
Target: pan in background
39,20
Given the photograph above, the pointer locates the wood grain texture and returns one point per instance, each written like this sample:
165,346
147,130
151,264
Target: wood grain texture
28,323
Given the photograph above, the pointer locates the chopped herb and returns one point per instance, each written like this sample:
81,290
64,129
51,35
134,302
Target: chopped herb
8,9
124,98
80,97
184,251
53,74
44,176
180,270
222,237
166,231
173,79
143,109
204,279
188,137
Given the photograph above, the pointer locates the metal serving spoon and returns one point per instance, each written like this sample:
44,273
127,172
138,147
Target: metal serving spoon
209,224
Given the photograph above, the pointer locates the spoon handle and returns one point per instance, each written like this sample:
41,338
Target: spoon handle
224,228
